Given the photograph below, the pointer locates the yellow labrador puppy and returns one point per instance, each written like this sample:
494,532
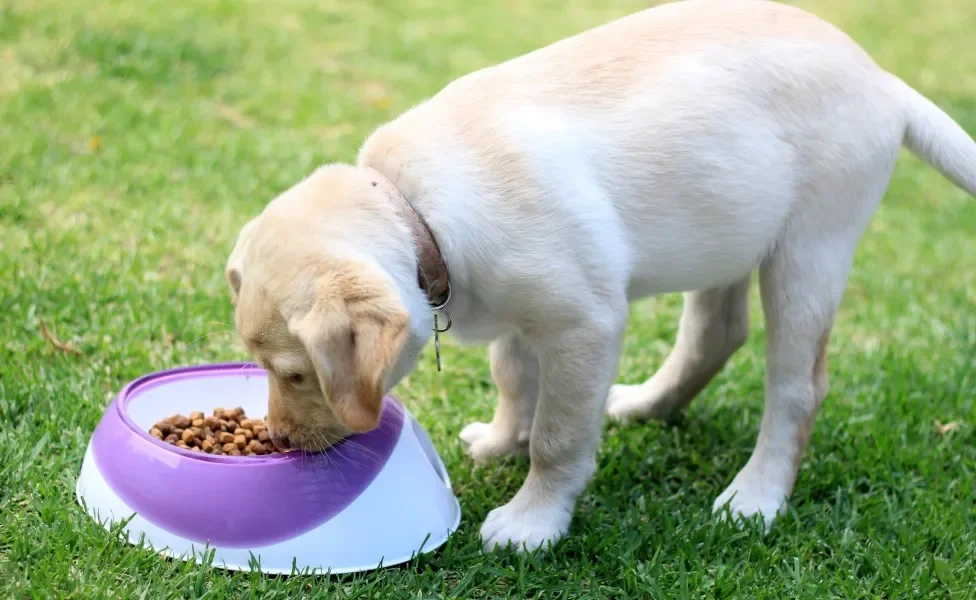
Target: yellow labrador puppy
678,149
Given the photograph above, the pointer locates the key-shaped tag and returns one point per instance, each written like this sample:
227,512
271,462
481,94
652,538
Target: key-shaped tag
437,342
441,308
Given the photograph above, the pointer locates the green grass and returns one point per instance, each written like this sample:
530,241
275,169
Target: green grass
136,138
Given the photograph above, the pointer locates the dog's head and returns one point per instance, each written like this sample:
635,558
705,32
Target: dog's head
320,281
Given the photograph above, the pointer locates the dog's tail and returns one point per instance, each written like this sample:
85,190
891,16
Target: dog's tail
934,137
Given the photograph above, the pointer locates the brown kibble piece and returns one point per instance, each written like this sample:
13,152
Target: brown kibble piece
212,434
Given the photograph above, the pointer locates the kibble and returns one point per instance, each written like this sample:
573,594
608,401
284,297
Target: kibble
228,431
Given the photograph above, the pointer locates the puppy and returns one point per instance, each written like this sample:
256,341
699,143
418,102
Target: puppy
678,149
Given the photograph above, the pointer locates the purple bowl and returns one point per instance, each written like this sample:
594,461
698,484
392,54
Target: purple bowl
234,502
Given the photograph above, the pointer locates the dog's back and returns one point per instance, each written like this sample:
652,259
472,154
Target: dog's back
689,133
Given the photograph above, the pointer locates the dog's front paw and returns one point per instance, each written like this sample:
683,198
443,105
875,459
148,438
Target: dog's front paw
526,524
484,442
746,500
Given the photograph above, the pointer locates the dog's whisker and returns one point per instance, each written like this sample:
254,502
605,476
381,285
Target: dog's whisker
204,336
361,448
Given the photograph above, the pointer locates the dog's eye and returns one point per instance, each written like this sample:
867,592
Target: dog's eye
296,378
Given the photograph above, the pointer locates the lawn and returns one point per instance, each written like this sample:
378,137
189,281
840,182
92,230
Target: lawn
137,137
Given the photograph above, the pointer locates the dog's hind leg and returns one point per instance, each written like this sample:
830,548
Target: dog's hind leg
714,324
802,282
801,290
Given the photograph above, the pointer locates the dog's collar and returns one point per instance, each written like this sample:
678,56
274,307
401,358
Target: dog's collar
432,274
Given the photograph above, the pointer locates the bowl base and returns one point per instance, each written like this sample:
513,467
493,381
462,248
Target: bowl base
95,495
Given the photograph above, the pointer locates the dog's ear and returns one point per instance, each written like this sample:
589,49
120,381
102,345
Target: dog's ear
234,270
353,335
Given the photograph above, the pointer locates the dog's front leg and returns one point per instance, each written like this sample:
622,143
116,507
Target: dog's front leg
576,366
515,369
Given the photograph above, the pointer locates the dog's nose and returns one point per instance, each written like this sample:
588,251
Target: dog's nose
281,443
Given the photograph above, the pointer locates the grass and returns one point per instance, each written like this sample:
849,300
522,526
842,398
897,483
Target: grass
136,138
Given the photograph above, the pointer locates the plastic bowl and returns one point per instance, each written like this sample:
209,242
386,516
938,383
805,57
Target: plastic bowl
375,499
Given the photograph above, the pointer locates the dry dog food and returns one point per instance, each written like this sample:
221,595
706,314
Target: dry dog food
227,431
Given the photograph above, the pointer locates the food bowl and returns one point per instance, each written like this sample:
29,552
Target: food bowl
375,499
